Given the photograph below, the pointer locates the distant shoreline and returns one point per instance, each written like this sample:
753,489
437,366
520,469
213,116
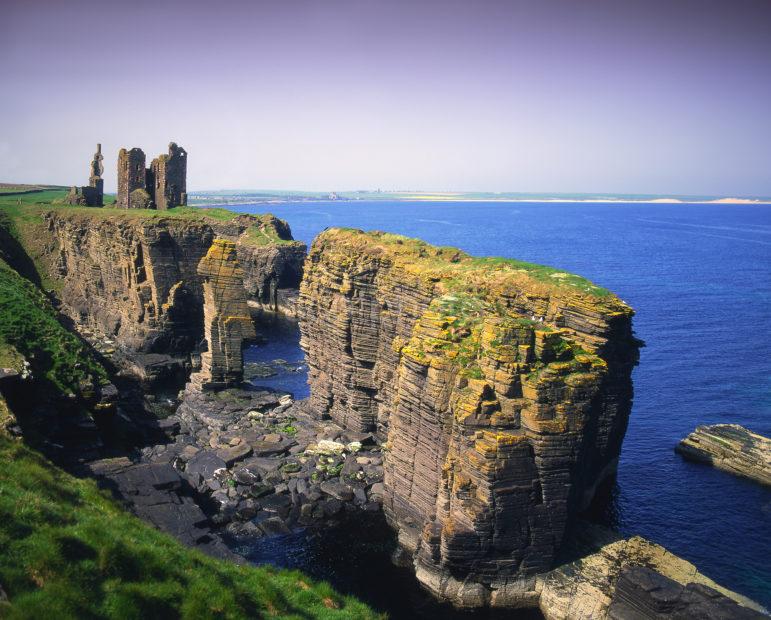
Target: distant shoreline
719,201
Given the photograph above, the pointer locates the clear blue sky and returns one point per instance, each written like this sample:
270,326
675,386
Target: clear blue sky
649,96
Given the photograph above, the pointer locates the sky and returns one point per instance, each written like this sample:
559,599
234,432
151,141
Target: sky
643,96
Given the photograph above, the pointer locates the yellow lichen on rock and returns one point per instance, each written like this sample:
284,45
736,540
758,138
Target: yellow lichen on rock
227,322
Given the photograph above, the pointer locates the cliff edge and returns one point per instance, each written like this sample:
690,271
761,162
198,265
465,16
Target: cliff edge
133,275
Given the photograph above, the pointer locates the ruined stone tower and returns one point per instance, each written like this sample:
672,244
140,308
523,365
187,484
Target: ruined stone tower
91,195
132,180
169,176
161,186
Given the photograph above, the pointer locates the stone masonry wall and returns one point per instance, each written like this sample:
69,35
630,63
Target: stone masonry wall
169,178
131,178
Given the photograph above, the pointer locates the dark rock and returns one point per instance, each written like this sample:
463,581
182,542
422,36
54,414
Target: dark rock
246,476
185,521
247,509
359,497
337,489
273,526
642,593
260,490
233,454
332,506
266,448
205,463
158,476
276,503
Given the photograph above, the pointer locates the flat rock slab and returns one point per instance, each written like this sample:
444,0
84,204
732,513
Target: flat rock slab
588,586
732,448
270,448
156,475
204,464
644,593
234,454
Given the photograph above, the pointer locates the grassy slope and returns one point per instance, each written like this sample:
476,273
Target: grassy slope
68,551
29,327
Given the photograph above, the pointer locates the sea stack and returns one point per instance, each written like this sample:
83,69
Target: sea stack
501,390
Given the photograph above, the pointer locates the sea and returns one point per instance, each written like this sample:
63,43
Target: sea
699,279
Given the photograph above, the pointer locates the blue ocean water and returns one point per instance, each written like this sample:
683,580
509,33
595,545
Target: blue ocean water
699,277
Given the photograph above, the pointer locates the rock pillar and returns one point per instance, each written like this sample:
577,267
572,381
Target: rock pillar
227,322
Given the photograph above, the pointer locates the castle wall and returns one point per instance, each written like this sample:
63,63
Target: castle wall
131,177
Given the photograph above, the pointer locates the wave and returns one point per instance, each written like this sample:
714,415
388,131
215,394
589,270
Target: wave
729,228
445,222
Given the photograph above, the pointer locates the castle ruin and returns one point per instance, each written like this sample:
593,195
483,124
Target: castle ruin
91,195
161,186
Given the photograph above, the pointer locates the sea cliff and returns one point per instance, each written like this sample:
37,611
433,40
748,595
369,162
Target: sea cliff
501,389
134,277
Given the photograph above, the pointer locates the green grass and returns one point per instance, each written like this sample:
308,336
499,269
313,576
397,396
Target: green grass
29,327
67,550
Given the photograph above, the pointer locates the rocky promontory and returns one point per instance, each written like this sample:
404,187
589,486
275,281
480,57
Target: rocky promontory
730,447
501,391
134,277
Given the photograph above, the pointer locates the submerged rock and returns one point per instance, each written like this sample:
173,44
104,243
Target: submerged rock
732,448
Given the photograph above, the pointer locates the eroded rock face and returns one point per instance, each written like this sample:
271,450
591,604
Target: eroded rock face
619,578
135,278
503,391
227,322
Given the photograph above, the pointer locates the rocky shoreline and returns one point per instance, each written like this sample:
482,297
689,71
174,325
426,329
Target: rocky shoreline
246,463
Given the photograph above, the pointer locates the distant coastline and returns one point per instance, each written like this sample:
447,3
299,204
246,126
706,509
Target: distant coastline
225,198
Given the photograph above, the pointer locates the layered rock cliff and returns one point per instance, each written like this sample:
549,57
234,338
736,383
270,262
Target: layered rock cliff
226,316
134,277
502,390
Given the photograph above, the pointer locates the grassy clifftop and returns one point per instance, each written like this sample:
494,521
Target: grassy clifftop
22,218
457,270
68,551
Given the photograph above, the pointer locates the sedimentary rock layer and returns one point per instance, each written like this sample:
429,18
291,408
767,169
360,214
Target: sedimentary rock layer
226,317
632,578
134,277
732,448
503,390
